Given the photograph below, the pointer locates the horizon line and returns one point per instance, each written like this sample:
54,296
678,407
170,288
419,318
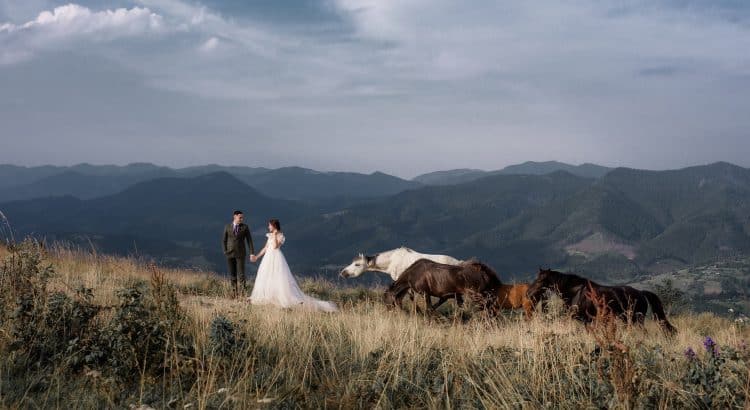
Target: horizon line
178,168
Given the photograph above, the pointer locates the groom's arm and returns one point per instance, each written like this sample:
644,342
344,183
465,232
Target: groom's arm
224,241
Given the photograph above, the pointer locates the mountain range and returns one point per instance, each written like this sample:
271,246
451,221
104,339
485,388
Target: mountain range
86,181
458,176
622,225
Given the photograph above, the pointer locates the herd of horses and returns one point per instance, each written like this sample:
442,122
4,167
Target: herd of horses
444,278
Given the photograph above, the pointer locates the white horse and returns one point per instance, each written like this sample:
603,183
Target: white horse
393,262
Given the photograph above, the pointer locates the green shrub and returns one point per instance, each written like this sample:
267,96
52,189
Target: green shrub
224,338
718,378
146,334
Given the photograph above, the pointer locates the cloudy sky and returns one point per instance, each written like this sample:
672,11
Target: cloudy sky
404,86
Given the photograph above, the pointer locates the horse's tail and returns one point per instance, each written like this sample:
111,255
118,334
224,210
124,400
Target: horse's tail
658,311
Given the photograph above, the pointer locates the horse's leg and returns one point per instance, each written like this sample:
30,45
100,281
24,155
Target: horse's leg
459,300
491,303
527,308
398,299
430,308
641,309
440,301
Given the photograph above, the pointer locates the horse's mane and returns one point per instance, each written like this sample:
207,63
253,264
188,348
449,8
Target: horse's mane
470,261
572,276
473,263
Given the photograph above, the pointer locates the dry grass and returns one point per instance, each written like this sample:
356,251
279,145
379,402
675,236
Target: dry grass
369,356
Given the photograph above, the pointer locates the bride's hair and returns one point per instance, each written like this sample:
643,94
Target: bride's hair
275,223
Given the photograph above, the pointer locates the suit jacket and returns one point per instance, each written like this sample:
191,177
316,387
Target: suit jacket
234,246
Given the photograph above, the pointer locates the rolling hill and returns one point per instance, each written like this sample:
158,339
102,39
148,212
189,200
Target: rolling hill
167,217
85,181
459,176
307,184
617,228
82,186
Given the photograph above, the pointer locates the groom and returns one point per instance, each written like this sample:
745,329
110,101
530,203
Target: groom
233,243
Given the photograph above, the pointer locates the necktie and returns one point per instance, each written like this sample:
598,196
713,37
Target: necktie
236,229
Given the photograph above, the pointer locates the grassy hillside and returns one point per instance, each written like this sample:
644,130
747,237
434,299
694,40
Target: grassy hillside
91,331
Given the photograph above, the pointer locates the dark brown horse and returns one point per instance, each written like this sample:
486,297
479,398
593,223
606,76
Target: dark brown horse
472,279
627,303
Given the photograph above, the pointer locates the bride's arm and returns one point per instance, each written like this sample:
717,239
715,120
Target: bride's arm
261,253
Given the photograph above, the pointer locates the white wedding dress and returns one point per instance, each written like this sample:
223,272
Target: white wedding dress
275,285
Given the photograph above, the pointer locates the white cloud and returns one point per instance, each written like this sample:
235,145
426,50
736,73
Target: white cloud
65,25
444,39
483,83
209,45
259,41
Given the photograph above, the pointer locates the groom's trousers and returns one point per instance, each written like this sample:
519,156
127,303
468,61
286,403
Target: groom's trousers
237,272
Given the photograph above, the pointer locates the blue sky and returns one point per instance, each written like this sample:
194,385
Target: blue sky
400,86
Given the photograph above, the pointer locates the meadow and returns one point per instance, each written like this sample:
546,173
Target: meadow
85,330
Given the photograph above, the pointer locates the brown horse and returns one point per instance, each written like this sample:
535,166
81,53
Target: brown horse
473,279
514,297
629,304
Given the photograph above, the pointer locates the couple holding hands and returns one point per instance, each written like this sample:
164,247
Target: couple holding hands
274,282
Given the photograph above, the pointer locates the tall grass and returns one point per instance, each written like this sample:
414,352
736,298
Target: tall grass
6,231
192,346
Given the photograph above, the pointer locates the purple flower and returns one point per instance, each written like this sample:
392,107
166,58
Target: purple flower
690,353
743,344
711,346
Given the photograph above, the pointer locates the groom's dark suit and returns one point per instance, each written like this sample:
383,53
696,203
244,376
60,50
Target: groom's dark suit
233,243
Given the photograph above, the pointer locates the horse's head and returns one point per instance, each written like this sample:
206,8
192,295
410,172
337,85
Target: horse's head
389,298
359,265
546,279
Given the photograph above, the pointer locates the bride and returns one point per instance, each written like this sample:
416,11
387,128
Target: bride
274,283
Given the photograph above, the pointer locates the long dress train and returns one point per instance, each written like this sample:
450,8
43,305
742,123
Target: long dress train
275,284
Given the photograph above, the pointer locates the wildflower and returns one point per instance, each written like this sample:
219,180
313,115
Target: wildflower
711,346
690,353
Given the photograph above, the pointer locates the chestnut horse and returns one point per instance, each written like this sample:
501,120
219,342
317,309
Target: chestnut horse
514,297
